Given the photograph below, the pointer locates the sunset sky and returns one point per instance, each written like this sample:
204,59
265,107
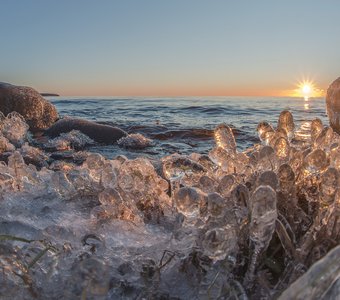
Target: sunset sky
168,48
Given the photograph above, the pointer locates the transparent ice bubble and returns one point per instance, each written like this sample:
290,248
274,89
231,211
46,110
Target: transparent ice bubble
315,128
316,161
334,155
325,138
226,184
109,174
329,185
94,163
181,170
109,196
61,184
266,159
206,162
263,130
216,204
224,138
278,134
222,158
263,215
218,243
188,201
282,149
286,177
268,178
207,184
262,224
286,122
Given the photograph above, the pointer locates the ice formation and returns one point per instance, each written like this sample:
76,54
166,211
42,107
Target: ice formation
228,225
71,140
135,141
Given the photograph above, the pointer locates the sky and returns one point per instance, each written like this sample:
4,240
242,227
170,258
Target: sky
169,48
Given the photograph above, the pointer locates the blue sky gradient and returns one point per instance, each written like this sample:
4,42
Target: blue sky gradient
177,47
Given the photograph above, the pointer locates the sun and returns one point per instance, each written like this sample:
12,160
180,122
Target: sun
306,89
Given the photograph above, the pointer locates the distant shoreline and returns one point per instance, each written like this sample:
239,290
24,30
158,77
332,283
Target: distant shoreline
49,94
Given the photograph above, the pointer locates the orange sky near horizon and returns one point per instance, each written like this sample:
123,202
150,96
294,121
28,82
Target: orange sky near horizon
173,91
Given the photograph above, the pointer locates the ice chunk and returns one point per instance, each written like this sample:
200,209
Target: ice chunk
94,163
262,224
317,280
286,177
216,205
329,185
264,131
266,159
14,128
316,161
224,138
70,140
113,206
188,201
181,170
135,141
333,104
324,138
34,156
207,184
268,178
282,149
5,145
315,128
61,184
226,184
219,242
286,123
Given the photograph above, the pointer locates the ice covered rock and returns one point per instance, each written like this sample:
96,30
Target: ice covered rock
14,128
33,156
333,104
71,140
134,141
224,138
5,145
286,123
317,280
38,112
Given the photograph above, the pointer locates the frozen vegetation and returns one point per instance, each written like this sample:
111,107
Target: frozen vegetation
258,224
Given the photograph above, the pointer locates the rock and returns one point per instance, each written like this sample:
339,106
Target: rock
333,104
38,112
49,95
99,133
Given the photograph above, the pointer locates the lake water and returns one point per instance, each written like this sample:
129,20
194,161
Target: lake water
185,125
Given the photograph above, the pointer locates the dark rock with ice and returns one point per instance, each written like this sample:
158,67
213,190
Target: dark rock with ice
38,112
98,132
333,104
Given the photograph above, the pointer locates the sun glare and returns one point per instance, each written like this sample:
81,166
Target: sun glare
306,89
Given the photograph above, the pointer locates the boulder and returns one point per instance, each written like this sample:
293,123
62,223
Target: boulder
37,111
333,104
